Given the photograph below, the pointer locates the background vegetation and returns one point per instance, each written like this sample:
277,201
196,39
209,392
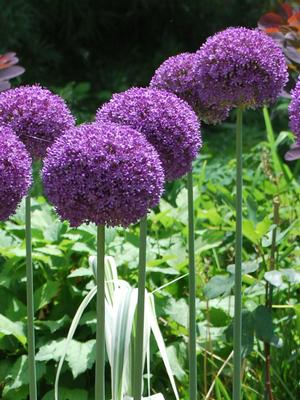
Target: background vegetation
86,50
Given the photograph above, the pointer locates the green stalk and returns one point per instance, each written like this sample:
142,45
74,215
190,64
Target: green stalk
192,295
139,337
30,302
237,328
100,332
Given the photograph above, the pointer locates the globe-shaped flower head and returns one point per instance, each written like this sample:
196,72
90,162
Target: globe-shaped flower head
177,75
294,115
102,173
36,115
167,122
241,67
15,172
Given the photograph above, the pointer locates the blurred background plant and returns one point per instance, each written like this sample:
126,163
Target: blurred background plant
86,50
9,69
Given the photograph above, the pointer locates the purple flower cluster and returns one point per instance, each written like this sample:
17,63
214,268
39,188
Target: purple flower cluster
15,172
36,115
294,111
240,67
294,115
167,122
102,173
177,75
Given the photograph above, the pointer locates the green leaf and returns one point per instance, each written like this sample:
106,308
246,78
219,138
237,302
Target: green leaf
217,317
219,285
44,294
176,363
247,267
249,231
274,277
49,251
18,375
264,328
10,306
16,329
80,356
247,332
51,351
67,394
5,240
291,275
178,311
80,272
54,326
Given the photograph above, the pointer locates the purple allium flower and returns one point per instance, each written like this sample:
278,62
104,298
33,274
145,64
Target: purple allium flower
294,115
15,172
294,111
241,67
36,115
102,173
167,122
177,75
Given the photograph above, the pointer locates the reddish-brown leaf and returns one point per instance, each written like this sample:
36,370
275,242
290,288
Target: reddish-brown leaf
270,20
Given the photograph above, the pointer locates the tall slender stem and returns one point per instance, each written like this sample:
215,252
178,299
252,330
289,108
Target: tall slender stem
139,342
237,329
192,295
30,302
100,333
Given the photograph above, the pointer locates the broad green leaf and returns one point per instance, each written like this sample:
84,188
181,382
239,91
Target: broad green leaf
49,250
176,364
178,311
51,351
81,356
5,240
264,328
68,394
249,231
247,332
291,275
54,326
16,329
18,375
217,317
247,267
80,272
44,294
274,277
10,306
218,285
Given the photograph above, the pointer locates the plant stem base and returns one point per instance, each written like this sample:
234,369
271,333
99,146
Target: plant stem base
139,344
30,302
192,295
100,333
237,328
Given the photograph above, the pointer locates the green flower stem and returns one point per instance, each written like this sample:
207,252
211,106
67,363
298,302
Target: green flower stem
139,342
192,290
237,328
100,333
30,302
